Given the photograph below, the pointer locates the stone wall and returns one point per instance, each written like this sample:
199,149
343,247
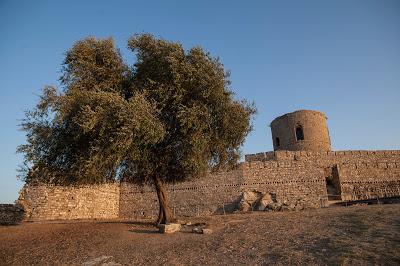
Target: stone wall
297,178
215,193
369,180
327,158
292,182
203,196
11,214
71,202
356,174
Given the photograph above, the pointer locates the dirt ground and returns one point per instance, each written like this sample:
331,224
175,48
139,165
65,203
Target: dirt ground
357,235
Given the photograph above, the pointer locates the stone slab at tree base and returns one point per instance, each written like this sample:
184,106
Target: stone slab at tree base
169,228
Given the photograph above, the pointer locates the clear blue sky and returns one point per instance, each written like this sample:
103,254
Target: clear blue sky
341,57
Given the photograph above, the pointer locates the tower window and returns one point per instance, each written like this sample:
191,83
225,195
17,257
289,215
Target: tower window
277,142
299,133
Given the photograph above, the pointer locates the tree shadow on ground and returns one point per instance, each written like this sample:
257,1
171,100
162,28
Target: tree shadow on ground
141,223
144,231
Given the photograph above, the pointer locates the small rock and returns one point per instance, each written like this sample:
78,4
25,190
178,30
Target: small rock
207,231
197,230
274,206
169,228
244,207
200,230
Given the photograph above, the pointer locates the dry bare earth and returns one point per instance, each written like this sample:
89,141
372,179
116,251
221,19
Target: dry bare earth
358,235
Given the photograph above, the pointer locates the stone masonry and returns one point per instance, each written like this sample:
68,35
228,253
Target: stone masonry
301,130
72,202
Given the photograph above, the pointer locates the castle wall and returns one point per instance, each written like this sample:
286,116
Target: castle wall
368,180
71,202
296,183
297,178
203,196
361,174
327,158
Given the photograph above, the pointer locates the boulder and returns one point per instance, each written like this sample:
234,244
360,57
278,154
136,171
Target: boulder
251,196
249,199
264,201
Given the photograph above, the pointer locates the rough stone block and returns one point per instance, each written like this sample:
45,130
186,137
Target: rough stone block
169,228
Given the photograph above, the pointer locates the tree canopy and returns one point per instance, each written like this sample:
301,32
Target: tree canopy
169,117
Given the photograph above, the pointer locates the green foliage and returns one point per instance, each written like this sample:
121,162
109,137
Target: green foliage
171,115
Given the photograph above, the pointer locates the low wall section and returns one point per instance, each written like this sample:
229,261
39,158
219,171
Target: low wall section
369,180
72,202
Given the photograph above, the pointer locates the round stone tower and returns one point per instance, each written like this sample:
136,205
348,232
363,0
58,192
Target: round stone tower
303,130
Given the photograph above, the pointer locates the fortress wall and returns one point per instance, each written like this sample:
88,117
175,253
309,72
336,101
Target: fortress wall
368,180
292,182
70,202
297,178
203,196
327,158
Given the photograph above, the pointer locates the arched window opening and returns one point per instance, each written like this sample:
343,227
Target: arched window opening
299,133
277,142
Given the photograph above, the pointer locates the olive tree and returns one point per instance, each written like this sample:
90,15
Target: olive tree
169,117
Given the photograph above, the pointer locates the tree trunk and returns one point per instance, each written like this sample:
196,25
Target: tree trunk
165,215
